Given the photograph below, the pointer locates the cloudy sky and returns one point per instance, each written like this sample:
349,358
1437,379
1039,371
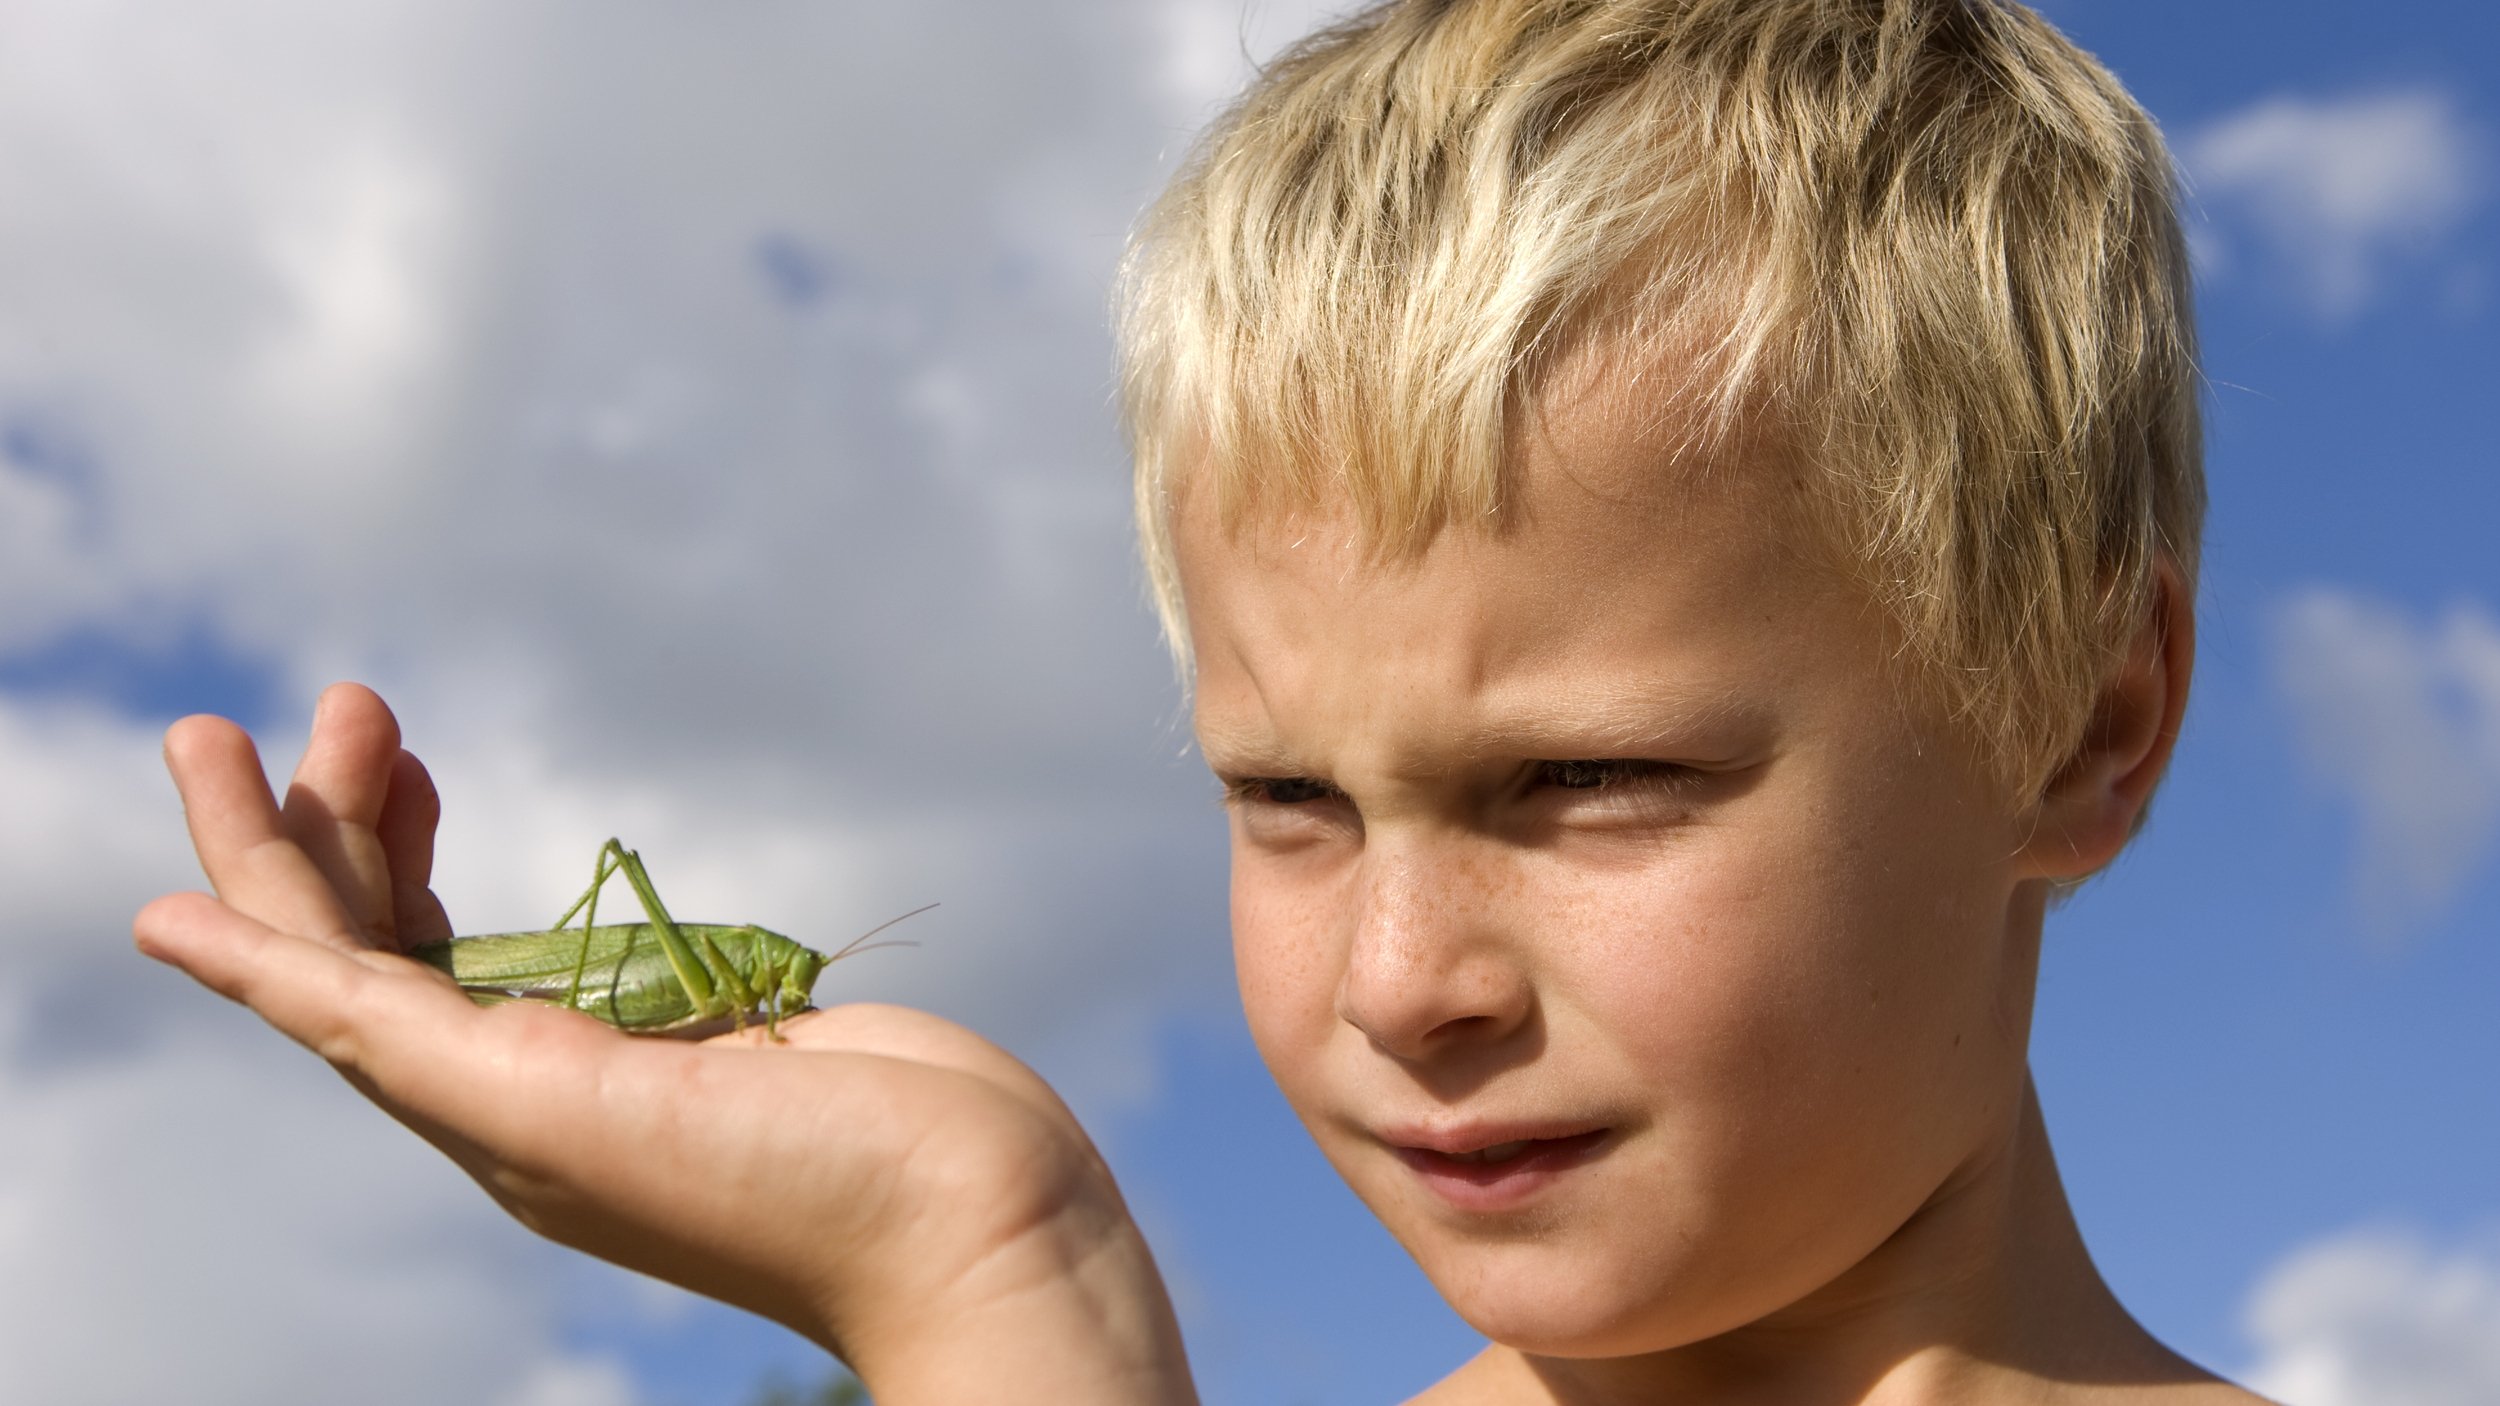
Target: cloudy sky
696,419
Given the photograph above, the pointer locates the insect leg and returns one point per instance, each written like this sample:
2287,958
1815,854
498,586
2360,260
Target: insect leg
742,998
610,856
766,975
689,968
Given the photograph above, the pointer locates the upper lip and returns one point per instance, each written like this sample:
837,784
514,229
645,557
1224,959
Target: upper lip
1459,1139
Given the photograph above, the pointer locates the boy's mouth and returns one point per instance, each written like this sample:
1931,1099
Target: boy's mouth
1479,1173
1499,1152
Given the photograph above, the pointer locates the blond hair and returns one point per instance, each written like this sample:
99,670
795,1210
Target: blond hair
1928,245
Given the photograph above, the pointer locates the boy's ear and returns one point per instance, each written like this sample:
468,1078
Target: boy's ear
2097,801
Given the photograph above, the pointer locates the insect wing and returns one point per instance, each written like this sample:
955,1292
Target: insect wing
624,976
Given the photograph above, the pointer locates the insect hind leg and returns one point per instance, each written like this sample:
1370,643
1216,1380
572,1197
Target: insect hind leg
612,857
693,974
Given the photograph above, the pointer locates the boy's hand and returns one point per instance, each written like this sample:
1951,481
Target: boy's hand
887,1183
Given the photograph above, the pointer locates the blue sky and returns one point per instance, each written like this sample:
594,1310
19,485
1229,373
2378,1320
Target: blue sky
698,425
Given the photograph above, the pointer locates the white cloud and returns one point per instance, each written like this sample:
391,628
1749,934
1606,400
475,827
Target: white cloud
2377,1317
2403,720
455,346
2337,189
1213,46
222,1222
89,825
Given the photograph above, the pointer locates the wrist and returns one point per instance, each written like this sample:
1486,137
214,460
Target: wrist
1070,1310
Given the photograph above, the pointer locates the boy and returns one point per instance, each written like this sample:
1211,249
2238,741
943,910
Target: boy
1681,516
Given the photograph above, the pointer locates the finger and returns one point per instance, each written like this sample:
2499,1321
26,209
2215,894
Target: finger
409,814
404,1034
326,1000
237,831
336,799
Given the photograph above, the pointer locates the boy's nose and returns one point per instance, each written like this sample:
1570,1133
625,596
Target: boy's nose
1426,970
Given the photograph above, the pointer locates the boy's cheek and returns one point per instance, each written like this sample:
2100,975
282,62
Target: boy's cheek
1285,964
1841,982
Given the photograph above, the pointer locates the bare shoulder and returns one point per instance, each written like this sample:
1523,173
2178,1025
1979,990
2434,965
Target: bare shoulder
2162,1377
1490,1378
2175,1382
2208,1393
1496,1378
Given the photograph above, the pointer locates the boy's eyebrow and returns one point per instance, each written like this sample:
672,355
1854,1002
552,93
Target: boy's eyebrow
1245,752
1615,723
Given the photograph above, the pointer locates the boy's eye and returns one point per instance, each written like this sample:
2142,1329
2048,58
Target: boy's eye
1611,792
1594,775
1280,790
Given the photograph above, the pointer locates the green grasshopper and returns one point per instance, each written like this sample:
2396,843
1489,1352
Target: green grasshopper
655,977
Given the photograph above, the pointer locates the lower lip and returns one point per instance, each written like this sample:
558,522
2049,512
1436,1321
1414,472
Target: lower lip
1502,1186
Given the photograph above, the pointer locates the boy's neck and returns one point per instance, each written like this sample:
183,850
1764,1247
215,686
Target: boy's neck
1987,1294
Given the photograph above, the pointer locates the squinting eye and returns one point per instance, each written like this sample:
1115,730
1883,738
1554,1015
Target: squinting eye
1594,775
1280,790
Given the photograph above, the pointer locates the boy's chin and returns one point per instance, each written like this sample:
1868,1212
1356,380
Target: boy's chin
1537,1325
1544,1299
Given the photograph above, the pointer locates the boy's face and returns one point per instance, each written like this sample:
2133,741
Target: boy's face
1611,835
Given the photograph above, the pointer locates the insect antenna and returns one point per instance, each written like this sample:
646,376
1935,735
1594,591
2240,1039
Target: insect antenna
862,944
